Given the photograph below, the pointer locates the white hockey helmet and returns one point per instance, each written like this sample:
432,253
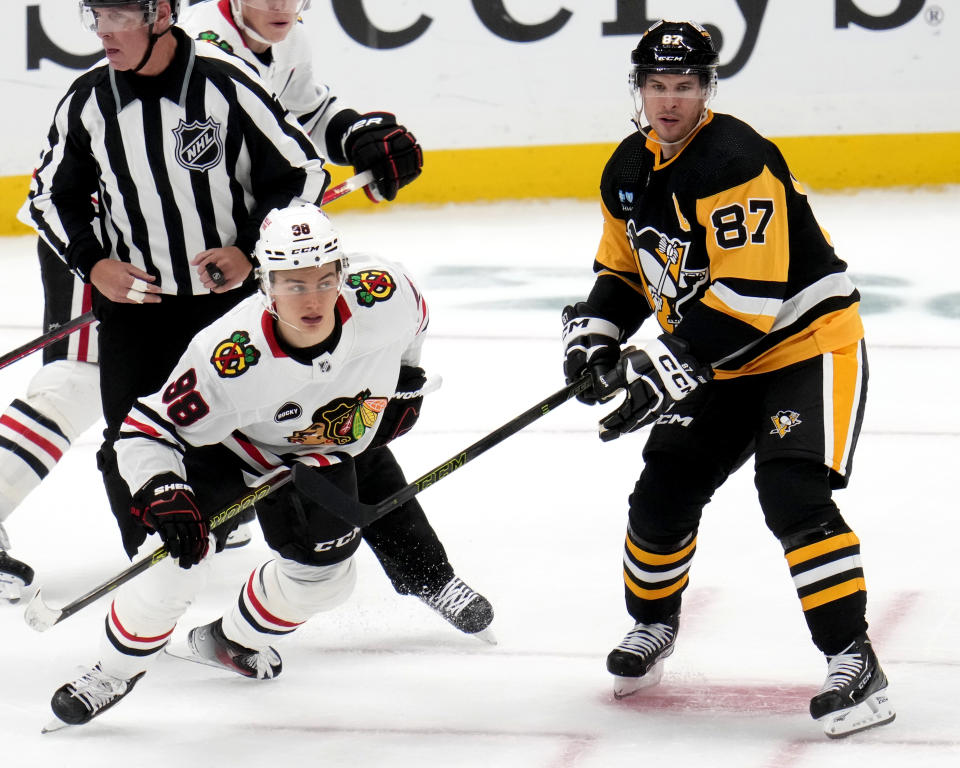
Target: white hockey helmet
294,238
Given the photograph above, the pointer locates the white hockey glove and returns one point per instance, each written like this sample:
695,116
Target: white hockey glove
591,344
655,377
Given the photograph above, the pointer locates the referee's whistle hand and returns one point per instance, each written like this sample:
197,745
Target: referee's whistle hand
229,264
124,283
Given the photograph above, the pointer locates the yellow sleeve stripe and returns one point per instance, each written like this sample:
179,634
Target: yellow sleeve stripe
760,313
654,594
649,558
841,541
833,593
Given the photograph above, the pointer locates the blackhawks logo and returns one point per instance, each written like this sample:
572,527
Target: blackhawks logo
234,355
341,421
372,285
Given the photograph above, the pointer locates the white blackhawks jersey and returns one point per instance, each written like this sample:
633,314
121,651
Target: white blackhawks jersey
235,385
289,75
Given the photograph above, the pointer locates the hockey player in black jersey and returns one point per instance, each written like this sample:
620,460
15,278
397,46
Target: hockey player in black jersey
760,353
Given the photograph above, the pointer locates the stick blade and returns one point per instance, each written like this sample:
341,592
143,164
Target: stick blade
40,616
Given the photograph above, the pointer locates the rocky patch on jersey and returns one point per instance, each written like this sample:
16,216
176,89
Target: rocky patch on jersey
199,146
287,411
371,286
784,421
213,38
341,421
235,355
670,280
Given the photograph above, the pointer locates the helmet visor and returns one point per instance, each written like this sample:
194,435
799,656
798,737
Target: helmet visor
285,6
322,278
116,18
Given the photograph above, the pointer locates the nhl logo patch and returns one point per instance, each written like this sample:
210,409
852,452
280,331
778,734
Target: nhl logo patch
199,146
235,355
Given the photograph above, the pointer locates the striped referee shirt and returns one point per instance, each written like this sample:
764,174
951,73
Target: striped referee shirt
189,160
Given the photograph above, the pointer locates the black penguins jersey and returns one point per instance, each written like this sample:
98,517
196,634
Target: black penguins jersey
721,246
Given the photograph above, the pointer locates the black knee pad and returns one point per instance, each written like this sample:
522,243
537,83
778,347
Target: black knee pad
794,494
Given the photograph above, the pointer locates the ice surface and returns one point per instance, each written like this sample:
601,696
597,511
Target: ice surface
537,525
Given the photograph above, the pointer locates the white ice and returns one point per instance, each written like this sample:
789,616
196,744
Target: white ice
537,525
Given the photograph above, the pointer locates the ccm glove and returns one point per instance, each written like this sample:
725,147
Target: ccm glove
591,344
167,505
376,143
655,377
403,410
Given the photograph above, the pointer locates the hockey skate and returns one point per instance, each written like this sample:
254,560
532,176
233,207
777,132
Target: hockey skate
468,611
208,645
637,663
15,575
854,695
88,696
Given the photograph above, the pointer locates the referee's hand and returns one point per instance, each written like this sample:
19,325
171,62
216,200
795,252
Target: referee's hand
221,269
124,283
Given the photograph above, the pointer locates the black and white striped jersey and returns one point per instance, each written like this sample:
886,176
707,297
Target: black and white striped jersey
182,162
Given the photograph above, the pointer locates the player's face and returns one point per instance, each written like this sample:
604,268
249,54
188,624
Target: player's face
271,19
673,104
304,300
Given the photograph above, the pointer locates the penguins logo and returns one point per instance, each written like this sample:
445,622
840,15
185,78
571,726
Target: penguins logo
372,285
784,421
341,421
235,355
663,264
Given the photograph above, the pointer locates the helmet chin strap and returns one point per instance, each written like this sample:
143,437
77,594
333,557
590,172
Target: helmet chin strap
244,29
152,42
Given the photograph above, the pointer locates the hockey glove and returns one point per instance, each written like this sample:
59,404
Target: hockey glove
591,344
655,377
375,142
167,505
403,410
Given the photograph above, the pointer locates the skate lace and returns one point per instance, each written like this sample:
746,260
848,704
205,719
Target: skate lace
265,662
97,689
453,598
842,669
647,639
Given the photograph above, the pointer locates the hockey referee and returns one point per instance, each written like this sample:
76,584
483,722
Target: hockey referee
186,152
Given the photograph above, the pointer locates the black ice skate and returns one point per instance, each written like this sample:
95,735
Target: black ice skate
637,662
854,695
87,697
467,610
208,645
15,575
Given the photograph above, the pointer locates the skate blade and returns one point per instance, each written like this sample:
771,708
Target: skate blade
56,724
486,636
875,710
185,652
627,686
11,589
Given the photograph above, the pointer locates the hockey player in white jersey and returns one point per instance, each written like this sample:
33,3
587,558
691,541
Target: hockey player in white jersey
304,373
62,401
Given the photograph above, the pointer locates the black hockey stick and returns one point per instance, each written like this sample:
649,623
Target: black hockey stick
54,334
41,617
357,513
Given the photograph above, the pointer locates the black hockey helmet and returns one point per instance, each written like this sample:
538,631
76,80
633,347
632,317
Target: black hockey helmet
677,48
149,7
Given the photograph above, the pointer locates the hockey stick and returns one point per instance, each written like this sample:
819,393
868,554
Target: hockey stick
49,337
357,513
348,186
41,617
55,334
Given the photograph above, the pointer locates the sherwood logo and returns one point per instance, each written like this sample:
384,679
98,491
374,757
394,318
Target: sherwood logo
630,19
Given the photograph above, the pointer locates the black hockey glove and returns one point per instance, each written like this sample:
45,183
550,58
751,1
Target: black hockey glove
655,378
376,143
403,410
590,343
167,505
